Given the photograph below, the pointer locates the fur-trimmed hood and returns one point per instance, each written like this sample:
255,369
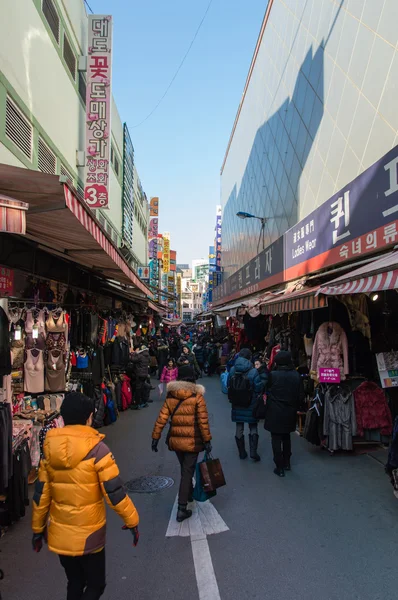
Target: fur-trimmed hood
184,389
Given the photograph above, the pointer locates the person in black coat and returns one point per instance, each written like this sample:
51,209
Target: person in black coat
284,393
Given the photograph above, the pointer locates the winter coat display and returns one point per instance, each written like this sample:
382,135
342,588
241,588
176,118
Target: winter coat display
169,375
99,409
330,349
284,394
371,409
339,422
243,365
141,360
190,423
77,473
126,393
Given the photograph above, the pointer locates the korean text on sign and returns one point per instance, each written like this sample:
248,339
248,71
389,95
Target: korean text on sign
98,111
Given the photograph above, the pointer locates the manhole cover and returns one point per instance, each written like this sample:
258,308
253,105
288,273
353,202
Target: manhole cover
149,485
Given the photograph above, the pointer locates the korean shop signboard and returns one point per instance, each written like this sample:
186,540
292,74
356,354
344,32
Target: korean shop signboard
360,219
98,111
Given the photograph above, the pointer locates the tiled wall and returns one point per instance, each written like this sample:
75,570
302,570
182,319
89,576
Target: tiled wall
321,106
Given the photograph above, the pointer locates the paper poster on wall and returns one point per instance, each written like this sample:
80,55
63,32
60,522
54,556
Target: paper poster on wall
387,364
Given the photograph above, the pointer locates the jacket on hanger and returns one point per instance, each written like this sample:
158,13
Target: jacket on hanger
339,422
330,349
371,409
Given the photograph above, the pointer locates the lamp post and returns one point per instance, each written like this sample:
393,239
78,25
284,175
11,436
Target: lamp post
263,220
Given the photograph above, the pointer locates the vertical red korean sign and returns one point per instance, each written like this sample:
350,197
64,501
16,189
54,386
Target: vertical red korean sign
98,111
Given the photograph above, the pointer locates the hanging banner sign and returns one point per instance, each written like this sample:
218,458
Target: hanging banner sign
6,281
98,111
360,219
166,253
154,207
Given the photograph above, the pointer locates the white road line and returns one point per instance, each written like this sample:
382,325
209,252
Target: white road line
205,576
205,521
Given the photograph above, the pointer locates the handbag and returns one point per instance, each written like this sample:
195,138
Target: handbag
199,493
170,421
212,473
259,409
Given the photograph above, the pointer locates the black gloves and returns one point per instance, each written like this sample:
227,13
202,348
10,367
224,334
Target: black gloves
155,445
134,532
37,542
208,447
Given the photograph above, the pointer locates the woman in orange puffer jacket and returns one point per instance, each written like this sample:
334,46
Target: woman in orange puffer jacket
78,471
189,433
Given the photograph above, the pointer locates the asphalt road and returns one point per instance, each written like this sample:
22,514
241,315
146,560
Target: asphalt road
327,531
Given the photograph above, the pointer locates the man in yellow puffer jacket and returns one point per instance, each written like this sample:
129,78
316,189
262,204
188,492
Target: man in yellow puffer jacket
77,472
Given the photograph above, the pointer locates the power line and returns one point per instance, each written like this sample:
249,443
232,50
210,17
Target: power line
89,7
179,68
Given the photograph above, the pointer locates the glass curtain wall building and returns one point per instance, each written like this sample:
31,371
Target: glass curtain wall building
319,107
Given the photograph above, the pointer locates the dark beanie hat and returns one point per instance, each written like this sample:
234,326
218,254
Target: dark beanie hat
245,353
283,359
76,409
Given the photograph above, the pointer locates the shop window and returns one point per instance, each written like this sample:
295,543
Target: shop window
64,171
116,165
101,219
69,57
52,18
47,161
18,128
82,87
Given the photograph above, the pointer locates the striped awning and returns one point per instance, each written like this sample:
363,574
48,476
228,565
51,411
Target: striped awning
305,299
61,224
376,276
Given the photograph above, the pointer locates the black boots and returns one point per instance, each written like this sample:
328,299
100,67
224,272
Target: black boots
183,513
253,442
279,472
240,442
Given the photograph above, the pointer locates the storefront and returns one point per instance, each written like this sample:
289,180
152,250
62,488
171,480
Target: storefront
71,311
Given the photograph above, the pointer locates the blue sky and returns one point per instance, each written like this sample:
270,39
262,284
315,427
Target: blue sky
180,149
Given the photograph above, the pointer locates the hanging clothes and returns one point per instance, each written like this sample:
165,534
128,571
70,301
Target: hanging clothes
330,349
371,409
37,319
56,341
34,371
6,457
5,349
339,422
55,372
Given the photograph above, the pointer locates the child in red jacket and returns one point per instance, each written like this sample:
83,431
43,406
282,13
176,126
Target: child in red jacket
170,372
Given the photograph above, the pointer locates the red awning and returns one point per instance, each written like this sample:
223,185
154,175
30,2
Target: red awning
63,225
381,274
304,299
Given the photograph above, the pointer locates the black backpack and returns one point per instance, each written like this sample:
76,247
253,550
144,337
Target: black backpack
239,390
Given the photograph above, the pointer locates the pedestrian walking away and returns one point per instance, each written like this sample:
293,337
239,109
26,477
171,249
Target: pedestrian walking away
189,433
285,393
139,363
78,471
244,386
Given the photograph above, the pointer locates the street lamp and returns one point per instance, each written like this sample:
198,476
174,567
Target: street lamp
263,220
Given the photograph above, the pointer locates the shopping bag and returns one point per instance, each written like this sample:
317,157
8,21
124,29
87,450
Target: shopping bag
160,388
199,493
212,474
259,409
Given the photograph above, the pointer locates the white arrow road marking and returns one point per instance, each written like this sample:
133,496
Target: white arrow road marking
205,521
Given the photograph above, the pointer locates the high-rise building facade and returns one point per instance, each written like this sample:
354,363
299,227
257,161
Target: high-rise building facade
318,109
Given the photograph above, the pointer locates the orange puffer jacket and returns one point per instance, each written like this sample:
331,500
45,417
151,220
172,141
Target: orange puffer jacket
78,471
190,424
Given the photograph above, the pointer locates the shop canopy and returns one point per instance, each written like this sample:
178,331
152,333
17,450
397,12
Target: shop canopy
295,301
63,225
379,275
